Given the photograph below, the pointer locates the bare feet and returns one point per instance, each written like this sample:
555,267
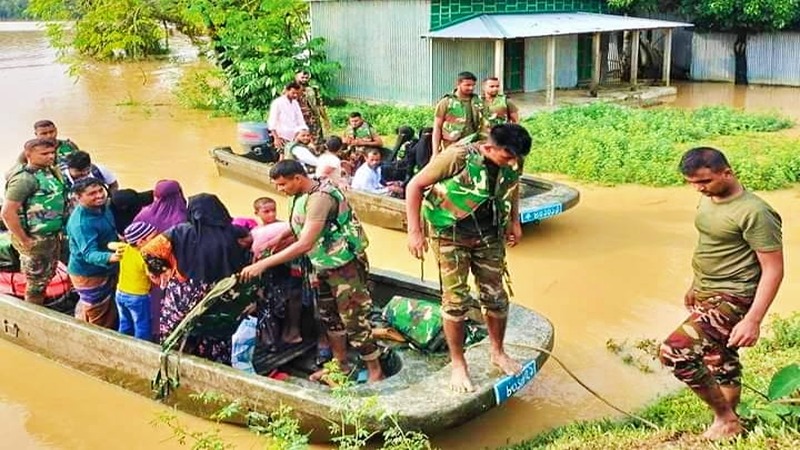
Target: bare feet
323,376
723,429
459,380
505,363
292,337
374,371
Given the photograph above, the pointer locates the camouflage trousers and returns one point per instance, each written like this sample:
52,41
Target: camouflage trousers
38,264
345,304
697,351
315,128
486,259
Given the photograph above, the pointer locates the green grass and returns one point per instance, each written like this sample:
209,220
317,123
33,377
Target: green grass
610,144
682,416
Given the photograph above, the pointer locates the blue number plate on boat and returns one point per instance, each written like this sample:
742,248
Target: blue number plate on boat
533,215
511,384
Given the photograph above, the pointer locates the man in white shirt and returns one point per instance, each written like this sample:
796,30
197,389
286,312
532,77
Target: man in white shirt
299,148
368,176
285,116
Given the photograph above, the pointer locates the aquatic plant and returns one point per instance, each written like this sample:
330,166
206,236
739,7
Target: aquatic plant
281,428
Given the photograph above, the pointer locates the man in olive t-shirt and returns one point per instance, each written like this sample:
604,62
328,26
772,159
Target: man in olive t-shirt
738,268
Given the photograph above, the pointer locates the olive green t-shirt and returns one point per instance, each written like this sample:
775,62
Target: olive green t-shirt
321,207
470,126
449,163
21,185
730,234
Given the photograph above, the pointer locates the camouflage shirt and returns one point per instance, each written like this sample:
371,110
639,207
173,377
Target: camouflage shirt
43,196
472,197
342,239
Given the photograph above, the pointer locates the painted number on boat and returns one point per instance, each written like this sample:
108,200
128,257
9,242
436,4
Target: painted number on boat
511,384
541,213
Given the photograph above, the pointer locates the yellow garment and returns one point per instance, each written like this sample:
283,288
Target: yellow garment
133,277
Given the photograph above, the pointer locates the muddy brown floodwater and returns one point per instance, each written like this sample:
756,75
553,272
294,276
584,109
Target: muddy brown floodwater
615,267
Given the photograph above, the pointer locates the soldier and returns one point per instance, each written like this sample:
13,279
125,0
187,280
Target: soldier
34,211
46,129
738,268
458,114
328,231
359,137
472,207
497,108
311,105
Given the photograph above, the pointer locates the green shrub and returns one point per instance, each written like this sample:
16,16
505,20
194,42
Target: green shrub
610,144
385,118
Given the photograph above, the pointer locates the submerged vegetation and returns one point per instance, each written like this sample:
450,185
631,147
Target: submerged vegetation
280,429
771,415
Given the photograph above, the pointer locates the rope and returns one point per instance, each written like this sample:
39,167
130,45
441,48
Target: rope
581,383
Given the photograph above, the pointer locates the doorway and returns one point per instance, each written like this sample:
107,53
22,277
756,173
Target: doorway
514,65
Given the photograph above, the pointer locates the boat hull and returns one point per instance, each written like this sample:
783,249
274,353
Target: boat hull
419,399
541,199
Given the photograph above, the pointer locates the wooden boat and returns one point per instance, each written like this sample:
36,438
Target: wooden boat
416,390
539,198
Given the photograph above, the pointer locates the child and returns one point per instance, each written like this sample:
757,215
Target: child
265,209
133,290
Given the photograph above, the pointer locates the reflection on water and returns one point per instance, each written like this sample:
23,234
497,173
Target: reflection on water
614,267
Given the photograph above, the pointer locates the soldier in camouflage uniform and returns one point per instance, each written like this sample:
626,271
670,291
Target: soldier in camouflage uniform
46,129
359,137
497,107
469,196
311,105
34,212
328,231
738,267
458,114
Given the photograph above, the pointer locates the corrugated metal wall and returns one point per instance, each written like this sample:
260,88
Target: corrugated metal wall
712,57
536,62
451,56
774,58
378,44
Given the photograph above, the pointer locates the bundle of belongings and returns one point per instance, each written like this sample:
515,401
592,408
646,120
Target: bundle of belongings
420,324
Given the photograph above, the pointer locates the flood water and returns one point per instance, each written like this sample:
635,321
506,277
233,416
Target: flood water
615,267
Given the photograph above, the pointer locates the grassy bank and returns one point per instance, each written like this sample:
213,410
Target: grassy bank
682,417
609,144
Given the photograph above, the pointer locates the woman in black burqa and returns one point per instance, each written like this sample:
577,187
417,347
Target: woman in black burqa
188,259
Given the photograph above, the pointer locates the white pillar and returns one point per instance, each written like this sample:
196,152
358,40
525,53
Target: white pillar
499,61
596,62
551,71
635,58
667,63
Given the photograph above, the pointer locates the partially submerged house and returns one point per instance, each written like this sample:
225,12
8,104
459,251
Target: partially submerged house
410,51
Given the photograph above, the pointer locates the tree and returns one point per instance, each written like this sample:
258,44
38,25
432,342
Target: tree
260,45
112,29
12,9
750,16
